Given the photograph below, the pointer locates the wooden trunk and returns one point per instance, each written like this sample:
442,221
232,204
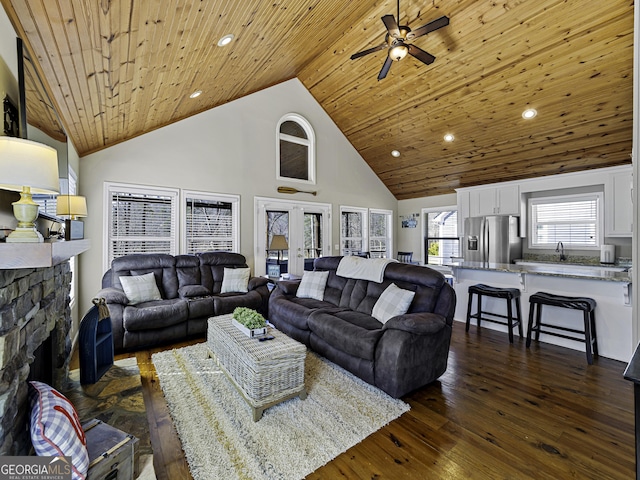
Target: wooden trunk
113,454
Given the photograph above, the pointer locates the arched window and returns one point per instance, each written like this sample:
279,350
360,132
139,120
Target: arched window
295,149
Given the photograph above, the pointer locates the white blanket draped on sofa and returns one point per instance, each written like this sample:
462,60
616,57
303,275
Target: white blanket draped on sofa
360,268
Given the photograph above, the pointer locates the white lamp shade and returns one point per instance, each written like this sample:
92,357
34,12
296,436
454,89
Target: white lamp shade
73,205
24,163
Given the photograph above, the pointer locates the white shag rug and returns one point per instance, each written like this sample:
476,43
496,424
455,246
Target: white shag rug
293,438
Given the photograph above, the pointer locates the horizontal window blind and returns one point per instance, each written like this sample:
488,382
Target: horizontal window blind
142,221
209,225
573,220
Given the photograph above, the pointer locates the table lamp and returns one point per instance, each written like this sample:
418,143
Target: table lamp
279,243
27,167
73,206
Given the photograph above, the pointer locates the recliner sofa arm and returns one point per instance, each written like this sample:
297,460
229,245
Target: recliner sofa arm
257,282
113,295
289,287
420,323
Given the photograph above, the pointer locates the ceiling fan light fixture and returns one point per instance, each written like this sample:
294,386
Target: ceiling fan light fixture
529,113
226,40
395,153
398,52
448,137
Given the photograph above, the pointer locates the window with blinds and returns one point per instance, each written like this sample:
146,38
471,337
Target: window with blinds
574,220
211,222
141,220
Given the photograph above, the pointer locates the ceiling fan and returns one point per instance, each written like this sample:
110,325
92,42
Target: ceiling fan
396,41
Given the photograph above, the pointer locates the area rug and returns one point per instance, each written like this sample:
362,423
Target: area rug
294,438
116,398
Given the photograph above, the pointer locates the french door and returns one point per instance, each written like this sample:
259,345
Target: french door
290,234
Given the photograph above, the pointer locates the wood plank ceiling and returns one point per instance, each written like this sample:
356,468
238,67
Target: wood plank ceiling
116,70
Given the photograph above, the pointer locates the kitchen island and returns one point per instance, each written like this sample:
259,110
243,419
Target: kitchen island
611,290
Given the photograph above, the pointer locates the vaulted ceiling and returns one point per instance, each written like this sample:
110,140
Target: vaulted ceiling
116,70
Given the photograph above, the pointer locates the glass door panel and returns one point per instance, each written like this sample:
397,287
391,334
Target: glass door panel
277,242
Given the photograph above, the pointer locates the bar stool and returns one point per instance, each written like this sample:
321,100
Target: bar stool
587,305
510,294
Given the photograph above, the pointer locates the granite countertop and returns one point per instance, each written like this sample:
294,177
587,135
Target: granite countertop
550,269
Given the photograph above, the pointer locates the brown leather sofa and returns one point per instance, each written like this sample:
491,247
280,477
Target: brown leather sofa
190,287
405,353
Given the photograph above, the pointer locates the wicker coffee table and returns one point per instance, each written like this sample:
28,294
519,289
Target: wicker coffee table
265,373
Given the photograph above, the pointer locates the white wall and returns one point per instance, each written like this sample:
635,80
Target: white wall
410,239
229,149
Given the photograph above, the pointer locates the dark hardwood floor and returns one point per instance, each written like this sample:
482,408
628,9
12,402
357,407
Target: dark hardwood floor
500,411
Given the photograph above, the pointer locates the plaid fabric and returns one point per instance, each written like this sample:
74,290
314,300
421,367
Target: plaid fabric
235,280
312,285
140,288
56,429
393,301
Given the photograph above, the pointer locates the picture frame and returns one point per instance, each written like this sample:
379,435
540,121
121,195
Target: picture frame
273,270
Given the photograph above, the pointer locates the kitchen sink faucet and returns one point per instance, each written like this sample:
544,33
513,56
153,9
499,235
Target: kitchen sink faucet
560,250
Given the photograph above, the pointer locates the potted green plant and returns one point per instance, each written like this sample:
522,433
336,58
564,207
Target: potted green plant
249,322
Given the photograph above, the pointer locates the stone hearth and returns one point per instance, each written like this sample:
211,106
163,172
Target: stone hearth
33,302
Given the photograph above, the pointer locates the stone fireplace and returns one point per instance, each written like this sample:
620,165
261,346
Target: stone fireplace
34,302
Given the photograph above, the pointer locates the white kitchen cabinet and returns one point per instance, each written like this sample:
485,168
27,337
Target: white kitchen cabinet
618,205
494,201
463,210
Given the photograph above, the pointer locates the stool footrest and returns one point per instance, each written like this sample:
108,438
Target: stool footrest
558,334
478,316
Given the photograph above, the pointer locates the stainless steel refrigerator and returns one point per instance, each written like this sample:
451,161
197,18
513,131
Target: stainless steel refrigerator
492,239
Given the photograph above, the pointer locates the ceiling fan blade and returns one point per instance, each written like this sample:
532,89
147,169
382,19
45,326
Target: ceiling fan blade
429,27
392,26
420,54
367,52
385,68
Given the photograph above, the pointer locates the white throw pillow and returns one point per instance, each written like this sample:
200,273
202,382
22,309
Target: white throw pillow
235,280
312,285
140,288
393,301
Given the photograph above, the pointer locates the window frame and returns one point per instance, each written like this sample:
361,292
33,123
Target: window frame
111,187
364,212
425,232
553,199
388,238
309,142
234,200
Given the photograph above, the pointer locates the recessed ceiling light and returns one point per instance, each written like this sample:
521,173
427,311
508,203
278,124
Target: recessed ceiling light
226,40
195,94
395,153
449,137
529,113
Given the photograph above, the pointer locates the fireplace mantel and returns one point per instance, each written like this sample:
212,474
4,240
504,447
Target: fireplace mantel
37,255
